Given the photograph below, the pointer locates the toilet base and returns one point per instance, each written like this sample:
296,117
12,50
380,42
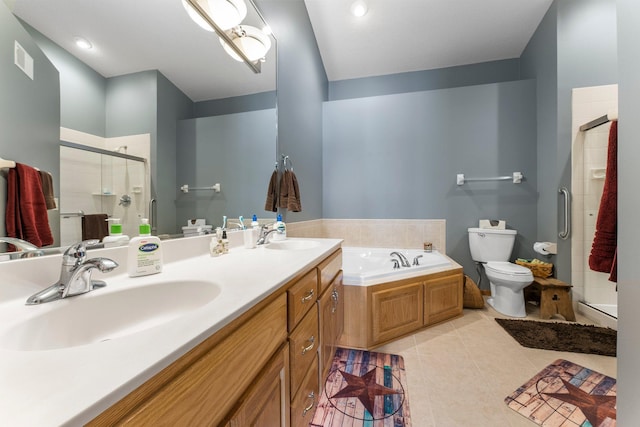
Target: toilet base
509,305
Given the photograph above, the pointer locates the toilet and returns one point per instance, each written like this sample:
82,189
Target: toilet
492,247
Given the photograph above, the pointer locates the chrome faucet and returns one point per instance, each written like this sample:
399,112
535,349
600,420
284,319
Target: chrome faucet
264,234
29,249
75,275
403,259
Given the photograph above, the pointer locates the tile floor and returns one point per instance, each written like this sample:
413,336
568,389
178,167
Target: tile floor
459,372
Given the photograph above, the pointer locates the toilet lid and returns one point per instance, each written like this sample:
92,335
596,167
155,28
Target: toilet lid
508,267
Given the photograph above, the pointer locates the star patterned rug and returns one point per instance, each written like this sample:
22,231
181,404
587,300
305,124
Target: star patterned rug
364,388
565,394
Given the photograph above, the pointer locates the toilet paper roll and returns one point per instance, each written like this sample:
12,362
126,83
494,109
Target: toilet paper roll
545,248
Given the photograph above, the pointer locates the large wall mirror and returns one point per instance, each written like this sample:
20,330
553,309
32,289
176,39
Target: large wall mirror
153,77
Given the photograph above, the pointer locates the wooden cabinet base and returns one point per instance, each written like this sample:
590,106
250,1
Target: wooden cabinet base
378,314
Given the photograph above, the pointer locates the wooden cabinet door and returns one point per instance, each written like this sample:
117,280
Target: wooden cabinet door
331,323
267,402
442,298
396,311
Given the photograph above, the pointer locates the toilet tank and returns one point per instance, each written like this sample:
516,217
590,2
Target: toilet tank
489,244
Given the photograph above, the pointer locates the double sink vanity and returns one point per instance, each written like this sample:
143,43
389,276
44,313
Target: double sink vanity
240,338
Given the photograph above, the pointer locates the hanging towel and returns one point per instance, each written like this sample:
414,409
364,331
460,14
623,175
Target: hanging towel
603,250
272,196
283,195
26,212
95,226
47,189
293,198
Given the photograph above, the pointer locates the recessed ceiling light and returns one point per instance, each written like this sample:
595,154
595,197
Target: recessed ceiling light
82,43
359,8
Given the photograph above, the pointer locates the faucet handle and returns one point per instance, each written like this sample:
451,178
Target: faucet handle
77,253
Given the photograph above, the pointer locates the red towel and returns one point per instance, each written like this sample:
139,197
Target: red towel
26,213
605,242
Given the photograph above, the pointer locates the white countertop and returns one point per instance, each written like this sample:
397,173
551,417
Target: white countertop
70,386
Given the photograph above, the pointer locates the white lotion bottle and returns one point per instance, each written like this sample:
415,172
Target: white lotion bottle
281,234
115,237
145,252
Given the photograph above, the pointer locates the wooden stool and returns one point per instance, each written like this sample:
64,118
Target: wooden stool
555,297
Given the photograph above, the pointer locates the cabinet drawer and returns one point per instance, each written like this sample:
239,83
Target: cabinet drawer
303,406
328,270
301,297
303,346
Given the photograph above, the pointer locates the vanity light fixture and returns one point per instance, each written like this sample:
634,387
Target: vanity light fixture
242,42
82,43
225,13
359,8
250,40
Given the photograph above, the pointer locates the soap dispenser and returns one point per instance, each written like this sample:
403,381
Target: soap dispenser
145,252
115,237
281,234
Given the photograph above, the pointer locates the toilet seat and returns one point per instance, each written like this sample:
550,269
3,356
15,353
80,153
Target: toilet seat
508,271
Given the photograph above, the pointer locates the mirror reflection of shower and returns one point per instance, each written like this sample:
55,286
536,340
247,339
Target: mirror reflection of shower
595,295
104,177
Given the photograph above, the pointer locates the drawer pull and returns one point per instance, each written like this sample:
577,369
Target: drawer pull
307,297
334,296
311,396
310,346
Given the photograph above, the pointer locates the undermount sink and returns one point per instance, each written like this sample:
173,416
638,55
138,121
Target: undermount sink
105,315
293,245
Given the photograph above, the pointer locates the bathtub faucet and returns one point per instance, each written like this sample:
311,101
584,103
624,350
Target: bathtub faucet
403,259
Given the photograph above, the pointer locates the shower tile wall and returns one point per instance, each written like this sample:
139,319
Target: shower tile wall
384,233
84,176
589,156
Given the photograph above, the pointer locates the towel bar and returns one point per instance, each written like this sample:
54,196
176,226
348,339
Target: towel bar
216,188
516,177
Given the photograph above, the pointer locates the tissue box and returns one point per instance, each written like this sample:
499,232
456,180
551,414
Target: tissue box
493,223
196,222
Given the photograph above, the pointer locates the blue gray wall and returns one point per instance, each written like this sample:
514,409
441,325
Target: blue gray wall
235,150
628,410
29,110
397,156
302,87
574,46
82,90
540,61
442,78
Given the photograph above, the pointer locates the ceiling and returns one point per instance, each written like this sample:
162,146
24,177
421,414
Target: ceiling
397,36
394,36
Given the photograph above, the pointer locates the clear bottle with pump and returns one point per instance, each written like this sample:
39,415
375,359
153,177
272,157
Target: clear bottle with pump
254,222
145,252
115,237
281,234
225,242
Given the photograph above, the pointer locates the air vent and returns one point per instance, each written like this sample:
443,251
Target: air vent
23,60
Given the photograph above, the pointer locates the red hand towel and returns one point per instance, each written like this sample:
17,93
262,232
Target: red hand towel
26,213
605,243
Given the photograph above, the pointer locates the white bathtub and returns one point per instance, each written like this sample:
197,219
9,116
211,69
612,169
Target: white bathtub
371,266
